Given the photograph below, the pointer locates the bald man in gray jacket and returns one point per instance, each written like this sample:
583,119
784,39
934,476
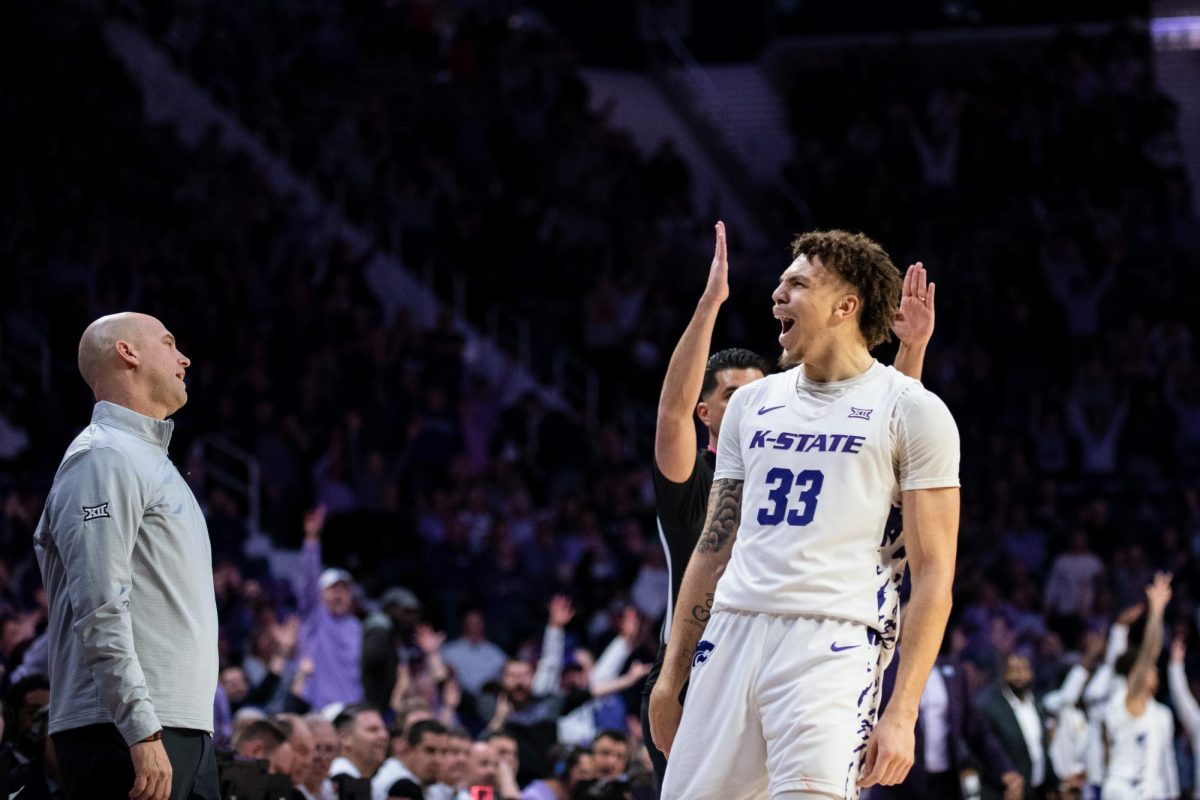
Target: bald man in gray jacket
125,557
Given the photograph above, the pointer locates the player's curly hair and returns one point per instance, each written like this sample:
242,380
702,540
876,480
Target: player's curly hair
865,265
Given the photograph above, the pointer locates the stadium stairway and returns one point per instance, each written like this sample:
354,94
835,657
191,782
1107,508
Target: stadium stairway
1177,66
634,102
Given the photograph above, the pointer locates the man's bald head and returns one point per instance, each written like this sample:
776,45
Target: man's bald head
131,359
98,347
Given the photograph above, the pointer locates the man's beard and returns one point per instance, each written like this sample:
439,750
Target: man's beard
788,360
1018,691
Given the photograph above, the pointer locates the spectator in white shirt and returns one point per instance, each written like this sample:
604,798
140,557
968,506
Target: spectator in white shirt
1139,731
474,659
1186,707
1071,584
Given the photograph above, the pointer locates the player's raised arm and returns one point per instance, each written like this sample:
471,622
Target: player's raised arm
914,321
1158,595
694,607
675,435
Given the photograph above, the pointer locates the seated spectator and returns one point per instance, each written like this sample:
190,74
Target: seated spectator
610,754
265,741
574,768
316,784
362,742
300,739
452,768
412,767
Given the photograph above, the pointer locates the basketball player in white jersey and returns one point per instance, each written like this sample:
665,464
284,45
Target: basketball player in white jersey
786,653
1139,731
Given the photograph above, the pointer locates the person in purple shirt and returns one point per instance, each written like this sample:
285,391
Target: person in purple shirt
330,633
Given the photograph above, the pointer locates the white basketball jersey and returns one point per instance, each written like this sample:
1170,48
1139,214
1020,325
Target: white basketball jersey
821,478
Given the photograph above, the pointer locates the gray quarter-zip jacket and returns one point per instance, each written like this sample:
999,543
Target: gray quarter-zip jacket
127,566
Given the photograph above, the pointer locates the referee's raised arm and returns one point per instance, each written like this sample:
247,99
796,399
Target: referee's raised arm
675,434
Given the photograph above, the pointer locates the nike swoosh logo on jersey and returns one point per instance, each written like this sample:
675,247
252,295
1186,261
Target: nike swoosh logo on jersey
764,410
834,647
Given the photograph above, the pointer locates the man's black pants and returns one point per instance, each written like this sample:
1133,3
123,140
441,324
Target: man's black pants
95,764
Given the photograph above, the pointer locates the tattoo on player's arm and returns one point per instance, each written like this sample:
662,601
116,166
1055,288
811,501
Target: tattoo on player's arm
724,513
701,613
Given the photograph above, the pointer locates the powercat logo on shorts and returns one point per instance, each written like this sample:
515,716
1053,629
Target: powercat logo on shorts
703,651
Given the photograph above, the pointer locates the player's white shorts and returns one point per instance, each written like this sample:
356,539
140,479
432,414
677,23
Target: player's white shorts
776,704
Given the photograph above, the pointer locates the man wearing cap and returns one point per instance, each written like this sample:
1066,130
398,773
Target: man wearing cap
388,641
330,634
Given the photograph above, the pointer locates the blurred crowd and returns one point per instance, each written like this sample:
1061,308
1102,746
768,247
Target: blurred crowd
479,584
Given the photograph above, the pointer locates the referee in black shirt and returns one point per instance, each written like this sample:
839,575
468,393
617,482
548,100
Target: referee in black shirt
683,473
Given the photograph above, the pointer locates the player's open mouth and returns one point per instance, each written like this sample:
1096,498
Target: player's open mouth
785,325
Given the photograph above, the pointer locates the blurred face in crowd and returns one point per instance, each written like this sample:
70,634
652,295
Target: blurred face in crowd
583,771
473,627
517,681
338,598
505,748
711,409
1018,674
424,758
325,749
27,710
366,742
609,756
452,769
303,744
233,681
481,765
282,760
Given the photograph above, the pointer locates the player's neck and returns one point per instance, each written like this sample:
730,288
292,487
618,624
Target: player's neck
837,364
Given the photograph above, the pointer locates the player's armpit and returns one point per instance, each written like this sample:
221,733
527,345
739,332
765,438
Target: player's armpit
724,515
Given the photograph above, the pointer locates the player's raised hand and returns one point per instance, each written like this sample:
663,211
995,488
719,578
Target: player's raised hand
1130,615
914,320
889,753
717,288
1178,650
1158,593
561,611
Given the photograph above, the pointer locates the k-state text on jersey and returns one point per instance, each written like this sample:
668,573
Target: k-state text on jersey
808,442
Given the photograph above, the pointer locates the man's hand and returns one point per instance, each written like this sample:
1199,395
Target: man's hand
314,521
665,713
151,770
428,640
1158,593
913,324
1131,615
1014,785
561,611
717,288
889,752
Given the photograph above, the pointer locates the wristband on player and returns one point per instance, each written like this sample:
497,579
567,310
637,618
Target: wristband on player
154,737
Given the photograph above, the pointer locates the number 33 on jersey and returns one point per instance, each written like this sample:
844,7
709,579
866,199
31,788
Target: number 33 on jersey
823,464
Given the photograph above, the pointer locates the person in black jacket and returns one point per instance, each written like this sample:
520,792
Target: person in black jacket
1018,723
